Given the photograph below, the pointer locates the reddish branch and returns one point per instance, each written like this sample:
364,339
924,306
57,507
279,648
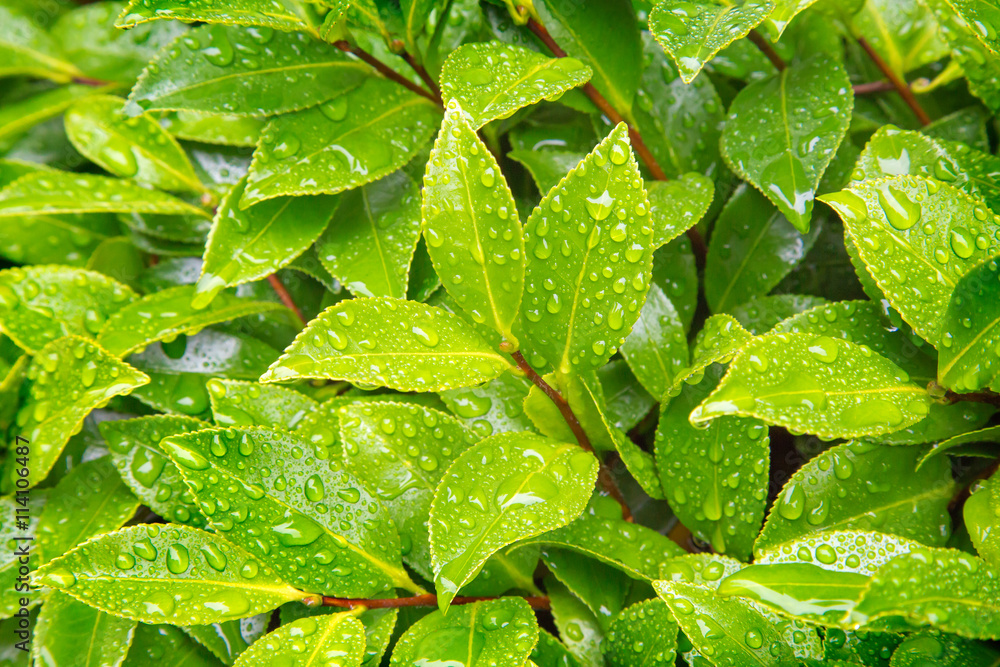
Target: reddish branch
989,397
428,600
285,297
765,47
424,76
697,242
603,475
898,84
873,87
385,70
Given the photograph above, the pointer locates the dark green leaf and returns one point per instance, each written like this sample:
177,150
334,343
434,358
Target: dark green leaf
675,271
577,625
657,347
947,651
167,646
719,340
10,597
979,513
968,358
760,314
964,444
68,632
904,34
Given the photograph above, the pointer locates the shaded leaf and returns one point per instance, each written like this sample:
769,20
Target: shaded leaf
948,651
676,272
17,118
965,444
211,128
546,167
335,637
625,401
604,589
225,468
979,513
355,138
10,597
26,49
786,159
518,485
130,573
167,646
719,340
492,80
229,639
905,34
69,632
860,486
370,243
760,314
399,344
818,385
472,228
656,349
577,625
494,407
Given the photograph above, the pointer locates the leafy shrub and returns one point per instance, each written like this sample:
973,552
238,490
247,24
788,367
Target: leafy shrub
368,332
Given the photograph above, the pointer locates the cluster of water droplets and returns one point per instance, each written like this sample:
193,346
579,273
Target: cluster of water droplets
638,634
841,551
313,642
969,340
493,633
494,407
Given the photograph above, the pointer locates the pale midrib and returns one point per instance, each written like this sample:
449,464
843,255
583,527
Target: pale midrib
530,73
322,639
55,208
394,355
282,590
882,508
186,323
703,50
378,242
961,353
479,244
153,157
240,250
51,61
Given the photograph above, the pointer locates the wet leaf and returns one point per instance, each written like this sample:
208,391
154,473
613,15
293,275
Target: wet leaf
370,243
492,80
491,632
68,378
26,49
236,403
385,342
169,313
677,205
146,468
812,104
905,34
550,652
716,479
753,247
978,512
951,589
760,314
336,638
354,138
19,117
131,573
245,72
693,32
979,64
135,147
401,453
722,627
576,624
643,631
579,242
211,128
861,486
719,340
819,385
471,226
546,167
46,193
494,407
676,272
247,245
91,499
225,469
657,347
969,335
10,597
927,233
965,444
39,304
784,11
229,639
68,632
604,589
168,647
520,486
950,651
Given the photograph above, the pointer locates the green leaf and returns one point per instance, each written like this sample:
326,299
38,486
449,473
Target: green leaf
247,245
69,377
680,123
69,632
336,638
946,588
625,401
979,65
353,139
604,589
676,272
677,205
785,160
167,646
965,444
17,118
509,487
719,340
230,470
492,80
784,11
760,314
494,407
10,597
605,37
633,548
415,17
39,304
574,255
145,467
857,551
401,452
471,226
860,486
724,628
547,167
948,651
550,652
863,323
717,478
577,625
817,384
399,344
212,128
968,356
236,403
45,193
90,500
370,244
753,248
657,347
245,72
286,15
170,573
905,34
643,631
229,639
129,147
169,313
693,32
979,512
491,632
27,50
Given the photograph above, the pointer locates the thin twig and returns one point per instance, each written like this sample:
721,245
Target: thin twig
765,47
604,476
697,242
424,76
988,397
873,87
384,69
428,600
897,83
90,81
285,297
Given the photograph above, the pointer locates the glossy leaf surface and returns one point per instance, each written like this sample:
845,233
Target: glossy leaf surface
236,403
72,633
643,631
677,205
321,640
657,347
969,335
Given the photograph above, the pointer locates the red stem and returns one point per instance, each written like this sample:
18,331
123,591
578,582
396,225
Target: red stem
765,47
428,600
424,76
285,297
384,69
897,83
